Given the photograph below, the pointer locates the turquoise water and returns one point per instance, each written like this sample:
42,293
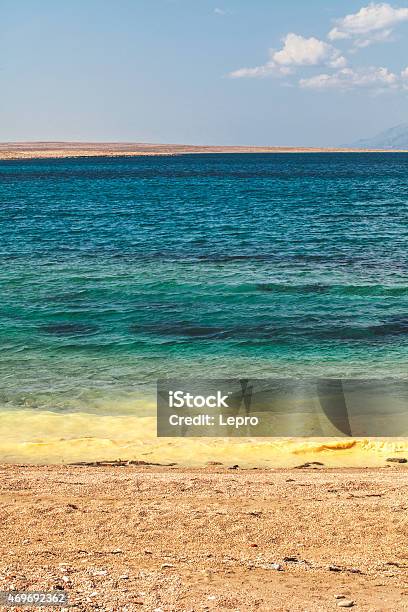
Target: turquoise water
116,272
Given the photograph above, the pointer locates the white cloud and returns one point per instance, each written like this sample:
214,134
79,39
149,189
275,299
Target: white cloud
220,11
322,66
381,36
259,71
404,78
338,62
374,78
267,69
296,51
372,23
299,51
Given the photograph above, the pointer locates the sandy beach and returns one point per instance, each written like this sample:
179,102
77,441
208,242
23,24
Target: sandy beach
204,306
131,537
55,150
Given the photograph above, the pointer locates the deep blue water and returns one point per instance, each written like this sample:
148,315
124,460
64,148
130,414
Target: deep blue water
115,272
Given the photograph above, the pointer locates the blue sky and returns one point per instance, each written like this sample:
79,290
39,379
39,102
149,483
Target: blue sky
262,72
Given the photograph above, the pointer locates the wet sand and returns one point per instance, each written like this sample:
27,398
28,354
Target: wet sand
38,150
131,537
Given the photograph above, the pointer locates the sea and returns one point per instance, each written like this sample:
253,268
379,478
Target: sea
117,272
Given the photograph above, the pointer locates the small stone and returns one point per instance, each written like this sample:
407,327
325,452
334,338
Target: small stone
397,460
166,565
393,563
345,603
276,566
234,467
124,577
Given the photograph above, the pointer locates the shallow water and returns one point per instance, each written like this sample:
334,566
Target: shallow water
117,272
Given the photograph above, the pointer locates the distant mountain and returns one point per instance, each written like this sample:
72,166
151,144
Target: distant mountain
394,138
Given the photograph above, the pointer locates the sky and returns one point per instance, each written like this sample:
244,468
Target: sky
244,72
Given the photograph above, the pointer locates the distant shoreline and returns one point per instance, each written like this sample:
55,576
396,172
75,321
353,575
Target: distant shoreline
61,150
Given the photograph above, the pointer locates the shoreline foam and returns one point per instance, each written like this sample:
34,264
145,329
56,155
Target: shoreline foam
60,438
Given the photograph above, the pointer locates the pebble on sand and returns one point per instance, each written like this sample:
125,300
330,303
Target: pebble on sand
276,566
345,603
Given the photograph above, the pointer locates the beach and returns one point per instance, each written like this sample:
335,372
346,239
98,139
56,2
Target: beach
175,539
204,307
48,437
